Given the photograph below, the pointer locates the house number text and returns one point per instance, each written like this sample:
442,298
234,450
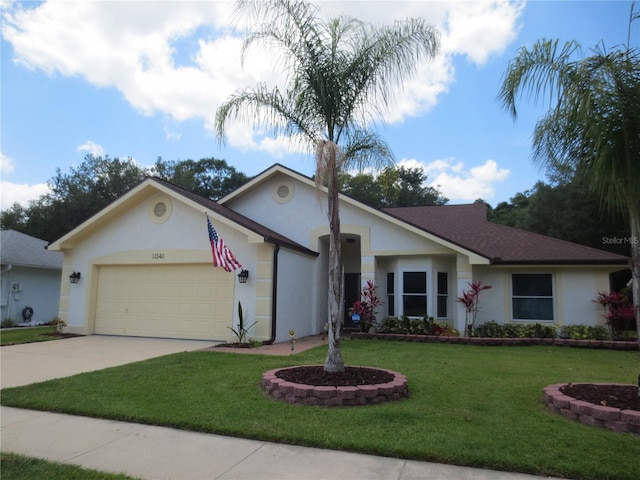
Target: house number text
157,256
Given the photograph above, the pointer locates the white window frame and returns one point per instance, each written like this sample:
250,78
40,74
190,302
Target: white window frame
552,297
391,297
401,293
438,295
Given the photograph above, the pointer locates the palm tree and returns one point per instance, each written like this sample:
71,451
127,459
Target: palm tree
340,75
594,128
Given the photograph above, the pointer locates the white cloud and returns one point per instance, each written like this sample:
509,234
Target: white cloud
458,184
11,193
481,28
20,193
7,164
91,147
181,59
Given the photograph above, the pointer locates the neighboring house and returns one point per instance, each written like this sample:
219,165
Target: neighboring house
146,263
30,277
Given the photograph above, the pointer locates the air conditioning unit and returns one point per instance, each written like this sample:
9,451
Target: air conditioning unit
16,287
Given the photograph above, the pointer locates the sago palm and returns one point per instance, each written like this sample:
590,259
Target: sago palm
593,125
340,75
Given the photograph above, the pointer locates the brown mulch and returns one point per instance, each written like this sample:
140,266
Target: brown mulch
624,397
233,345
352,376
61,335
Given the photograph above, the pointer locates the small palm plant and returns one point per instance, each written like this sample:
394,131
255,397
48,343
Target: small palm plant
242,330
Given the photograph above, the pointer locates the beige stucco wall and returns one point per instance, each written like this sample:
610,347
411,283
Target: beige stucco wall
574,289
134,236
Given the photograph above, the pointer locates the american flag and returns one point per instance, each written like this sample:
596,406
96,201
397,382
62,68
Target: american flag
222,256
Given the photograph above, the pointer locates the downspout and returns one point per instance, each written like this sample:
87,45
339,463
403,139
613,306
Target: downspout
8,284
274,295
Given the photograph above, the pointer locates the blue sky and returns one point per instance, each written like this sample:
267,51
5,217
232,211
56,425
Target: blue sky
144,79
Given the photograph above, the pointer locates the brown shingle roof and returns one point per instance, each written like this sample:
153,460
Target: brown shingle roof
468,227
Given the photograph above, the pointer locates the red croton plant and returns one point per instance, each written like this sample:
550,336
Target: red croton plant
367,306
618,310
470,300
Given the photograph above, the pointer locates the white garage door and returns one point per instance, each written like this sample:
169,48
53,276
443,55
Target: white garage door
168,301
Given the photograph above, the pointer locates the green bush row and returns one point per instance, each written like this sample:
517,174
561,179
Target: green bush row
415,326
493,329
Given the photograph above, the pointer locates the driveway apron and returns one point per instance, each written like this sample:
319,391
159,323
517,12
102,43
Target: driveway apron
37,362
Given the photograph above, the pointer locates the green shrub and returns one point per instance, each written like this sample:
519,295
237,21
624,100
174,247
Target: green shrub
490,329
8,323
416,326
493,329
584,332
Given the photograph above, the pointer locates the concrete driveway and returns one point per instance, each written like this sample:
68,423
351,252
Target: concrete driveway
37,362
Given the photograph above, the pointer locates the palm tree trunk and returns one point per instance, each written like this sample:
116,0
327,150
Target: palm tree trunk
634,215
334,362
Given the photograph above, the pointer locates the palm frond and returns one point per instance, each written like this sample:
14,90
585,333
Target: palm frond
594,127
340,72
537,72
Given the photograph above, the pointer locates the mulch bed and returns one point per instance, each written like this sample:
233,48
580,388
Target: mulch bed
233,345
624,397
61,335
352,376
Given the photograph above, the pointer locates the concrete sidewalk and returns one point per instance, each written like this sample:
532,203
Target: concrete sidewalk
156,453
151,452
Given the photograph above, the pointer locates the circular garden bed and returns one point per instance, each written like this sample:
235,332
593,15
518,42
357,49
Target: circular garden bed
311,385
615,407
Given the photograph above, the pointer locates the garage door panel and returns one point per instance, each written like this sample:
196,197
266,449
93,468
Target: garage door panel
174,301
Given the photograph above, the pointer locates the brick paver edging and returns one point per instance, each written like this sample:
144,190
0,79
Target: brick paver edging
486,341
291,392
611,418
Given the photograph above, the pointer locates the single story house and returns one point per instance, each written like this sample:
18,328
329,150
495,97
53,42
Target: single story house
30,279
146,263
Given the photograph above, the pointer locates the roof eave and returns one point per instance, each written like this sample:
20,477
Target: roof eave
598,263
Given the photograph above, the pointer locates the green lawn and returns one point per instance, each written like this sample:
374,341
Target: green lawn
474,406
25,335
19,467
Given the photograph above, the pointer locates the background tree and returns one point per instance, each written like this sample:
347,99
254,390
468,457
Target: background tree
404,187
14,218
97,181
209,177
393,187
75,196
340,74
574,213
568,211
593,126
363,187
513,213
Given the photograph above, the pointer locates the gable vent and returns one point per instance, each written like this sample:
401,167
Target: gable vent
283,192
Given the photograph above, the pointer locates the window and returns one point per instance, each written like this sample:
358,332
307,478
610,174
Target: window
391,297
532,296
442,294
414,295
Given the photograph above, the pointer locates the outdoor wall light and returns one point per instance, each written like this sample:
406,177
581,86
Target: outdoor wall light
74,277
242,276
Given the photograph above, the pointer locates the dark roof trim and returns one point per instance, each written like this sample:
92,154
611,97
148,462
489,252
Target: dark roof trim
495,261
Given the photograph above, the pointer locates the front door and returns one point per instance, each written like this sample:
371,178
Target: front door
351,295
